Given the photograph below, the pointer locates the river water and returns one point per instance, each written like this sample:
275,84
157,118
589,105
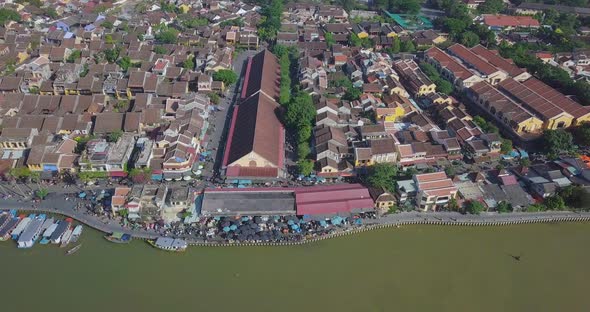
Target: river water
413,268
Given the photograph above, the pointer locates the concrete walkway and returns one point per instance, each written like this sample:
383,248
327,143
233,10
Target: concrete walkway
67,208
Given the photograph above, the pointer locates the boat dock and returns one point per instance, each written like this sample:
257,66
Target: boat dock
21,226
62,227
8,227
31,233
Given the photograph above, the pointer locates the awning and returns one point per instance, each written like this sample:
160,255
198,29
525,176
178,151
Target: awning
117,174
133,216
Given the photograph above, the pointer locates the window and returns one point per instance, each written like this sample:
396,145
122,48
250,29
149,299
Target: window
561,124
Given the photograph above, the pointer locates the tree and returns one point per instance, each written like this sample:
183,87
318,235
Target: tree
536,208
7,15
125,63
429,70
123,213
450,171
581,134
188,64
270,22
525,162
228,76
114,136
396,45
329,39
576,197
469,39
506,146
405,6
160,50
491,7
346,4
408,46
111,55
554,202
303,151
382,175
74,55
354,40
300,111
305,167
214,97
139,175
352,94
107,25
504,206
50,12
453,205
194,22
41,193
454,26
557,142
108,38
304,132
474,207
20,173
169,35
443,86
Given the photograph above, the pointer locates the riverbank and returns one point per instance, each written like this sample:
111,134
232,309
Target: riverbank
393,220
413,268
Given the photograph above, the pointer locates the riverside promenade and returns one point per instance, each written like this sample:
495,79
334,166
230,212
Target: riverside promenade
67,208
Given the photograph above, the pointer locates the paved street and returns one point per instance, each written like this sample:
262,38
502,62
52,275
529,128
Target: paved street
220,125
57,203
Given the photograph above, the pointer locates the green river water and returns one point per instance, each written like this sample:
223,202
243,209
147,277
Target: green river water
413,268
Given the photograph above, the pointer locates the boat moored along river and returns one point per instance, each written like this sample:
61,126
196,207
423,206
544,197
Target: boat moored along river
411,268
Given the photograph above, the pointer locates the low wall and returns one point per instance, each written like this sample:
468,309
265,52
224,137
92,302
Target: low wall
97,225
396,224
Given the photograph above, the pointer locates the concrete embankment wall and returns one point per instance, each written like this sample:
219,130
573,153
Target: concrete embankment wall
96,224
400,223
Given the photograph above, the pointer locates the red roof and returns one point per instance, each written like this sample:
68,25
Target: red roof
510,21
322,200
252,172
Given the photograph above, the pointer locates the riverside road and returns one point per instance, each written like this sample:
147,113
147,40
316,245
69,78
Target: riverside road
56,203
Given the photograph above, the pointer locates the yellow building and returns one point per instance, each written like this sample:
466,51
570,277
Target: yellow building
390,113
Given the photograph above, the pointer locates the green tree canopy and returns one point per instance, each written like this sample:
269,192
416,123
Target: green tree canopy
576,197
74,55
329,39
555,202
396,45
408,46
305,167
228,76
382,175
474,207
115,135
169,35
300,111
536,208
7,15
558,141
125,63
469,39
188,64
506,146
443,86
504,206
160,50
491,7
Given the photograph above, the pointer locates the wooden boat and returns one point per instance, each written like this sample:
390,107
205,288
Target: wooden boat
169,244
65,240
76,234
118,237
73,250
